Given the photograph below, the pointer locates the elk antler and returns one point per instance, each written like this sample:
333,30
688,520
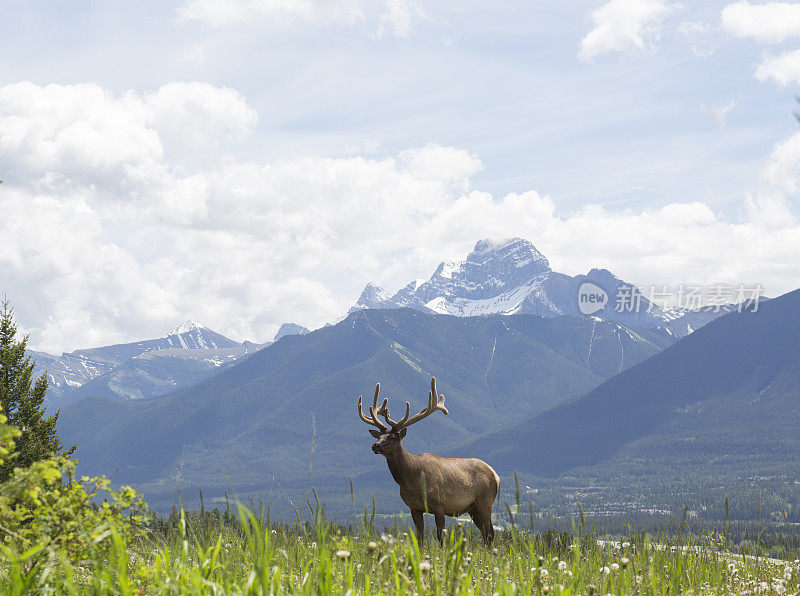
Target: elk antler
435,402
374,410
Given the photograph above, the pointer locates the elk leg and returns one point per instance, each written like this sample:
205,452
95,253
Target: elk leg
483,520
439,517
419,523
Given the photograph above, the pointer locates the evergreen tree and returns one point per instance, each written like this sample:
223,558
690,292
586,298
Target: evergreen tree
22,400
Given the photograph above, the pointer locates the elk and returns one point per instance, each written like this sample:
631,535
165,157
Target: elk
437,485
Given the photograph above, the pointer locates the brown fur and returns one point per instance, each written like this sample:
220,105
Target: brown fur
441,486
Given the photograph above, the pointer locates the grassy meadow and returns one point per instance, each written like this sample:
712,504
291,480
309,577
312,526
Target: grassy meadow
244,552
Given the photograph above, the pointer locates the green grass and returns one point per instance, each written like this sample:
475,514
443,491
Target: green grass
246,553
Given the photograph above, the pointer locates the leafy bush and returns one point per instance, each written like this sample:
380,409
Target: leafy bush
47,516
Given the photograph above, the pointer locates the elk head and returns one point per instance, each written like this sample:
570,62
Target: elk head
390,434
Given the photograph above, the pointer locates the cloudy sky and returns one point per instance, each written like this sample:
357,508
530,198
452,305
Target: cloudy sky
249,162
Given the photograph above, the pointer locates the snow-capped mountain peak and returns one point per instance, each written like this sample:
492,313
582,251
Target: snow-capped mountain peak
492,268
290,329
191,334
188,326
505,277
190,341
373,297
519,250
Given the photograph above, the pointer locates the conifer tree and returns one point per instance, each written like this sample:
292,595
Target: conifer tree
22,400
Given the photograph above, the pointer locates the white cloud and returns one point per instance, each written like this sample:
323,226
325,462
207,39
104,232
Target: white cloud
784,69
105,243
195,115
770,22
73,130
622,25
82,133
783,167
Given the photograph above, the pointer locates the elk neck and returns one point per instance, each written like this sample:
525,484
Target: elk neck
398,460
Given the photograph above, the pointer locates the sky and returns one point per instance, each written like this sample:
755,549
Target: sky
249,162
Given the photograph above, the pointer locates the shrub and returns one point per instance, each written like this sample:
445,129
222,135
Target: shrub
48,516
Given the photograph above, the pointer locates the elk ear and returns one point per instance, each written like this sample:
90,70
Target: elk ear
375,433
402,433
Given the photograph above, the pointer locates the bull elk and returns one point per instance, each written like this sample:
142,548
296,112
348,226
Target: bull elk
442,486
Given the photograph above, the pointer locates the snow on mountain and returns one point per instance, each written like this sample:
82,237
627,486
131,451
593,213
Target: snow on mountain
188,326
290,329
192,335
70,371
161,371
373,297
688,320
508,277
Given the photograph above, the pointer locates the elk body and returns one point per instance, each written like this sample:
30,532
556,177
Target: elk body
437,485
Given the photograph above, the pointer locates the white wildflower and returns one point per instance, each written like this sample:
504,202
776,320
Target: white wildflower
562,565
544,573
343,554
614,566
605,570
425,566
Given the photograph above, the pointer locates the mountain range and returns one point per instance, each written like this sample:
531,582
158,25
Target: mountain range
140,369
533,386
723,400
512,277
287,413
505,277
